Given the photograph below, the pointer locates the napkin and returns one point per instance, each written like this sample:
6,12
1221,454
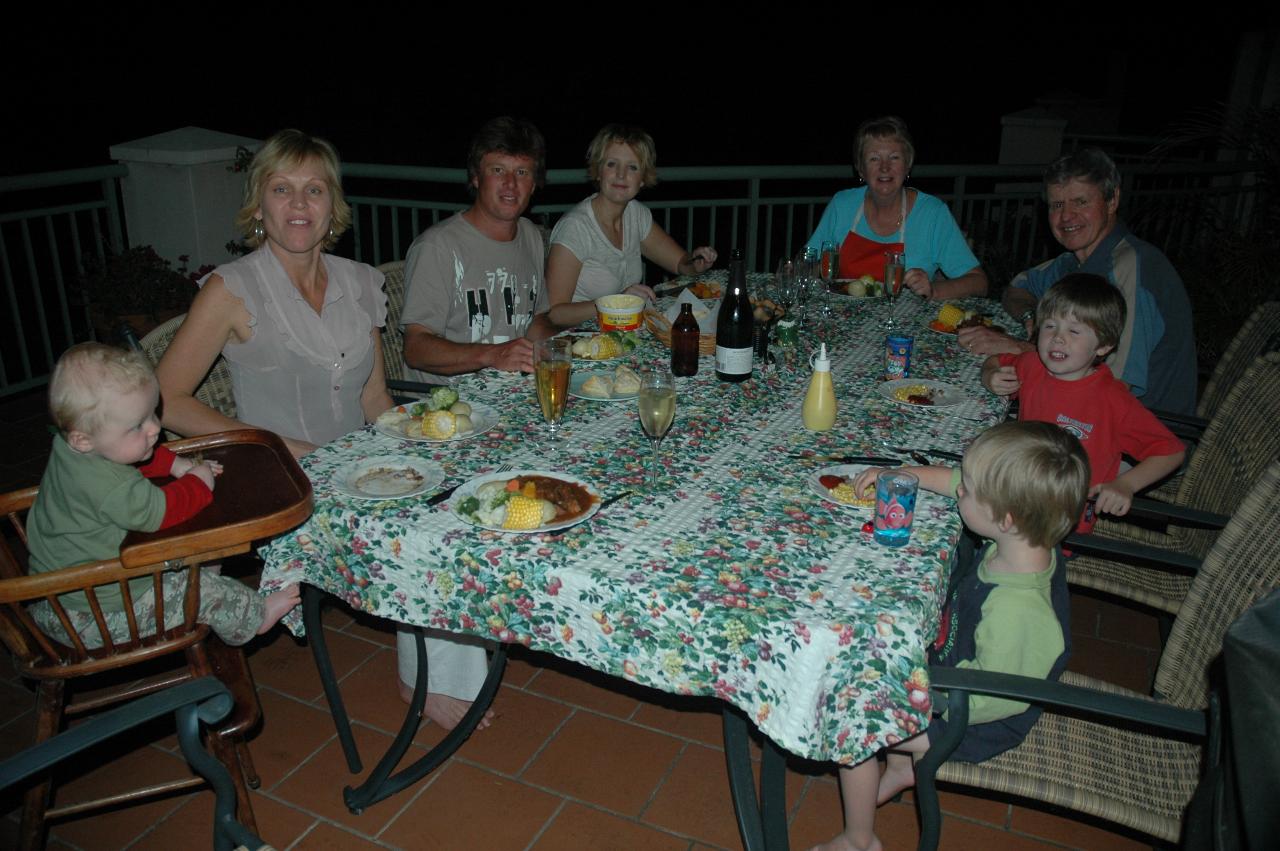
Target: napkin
703,312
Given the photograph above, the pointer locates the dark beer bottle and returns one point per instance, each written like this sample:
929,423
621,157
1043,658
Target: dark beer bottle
684,342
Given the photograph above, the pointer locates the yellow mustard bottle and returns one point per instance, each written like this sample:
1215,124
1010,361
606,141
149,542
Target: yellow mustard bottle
819,411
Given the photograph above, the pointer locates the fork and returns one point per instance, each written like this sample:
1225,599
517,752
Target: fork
448,492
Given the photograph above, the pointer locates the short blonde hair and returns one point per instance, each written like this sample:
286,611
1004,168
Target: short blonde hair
87,378
1035,472
285,150
633,137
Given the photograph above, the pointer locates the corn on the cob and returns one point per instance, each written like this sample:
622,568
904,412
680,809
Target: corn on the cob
522,512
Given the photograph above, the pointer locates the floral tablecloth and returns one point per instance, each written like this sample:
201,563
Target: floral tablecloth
735,580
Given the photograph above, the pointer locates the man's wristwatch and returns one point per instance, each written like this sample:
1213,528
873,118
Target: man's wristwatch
1027,315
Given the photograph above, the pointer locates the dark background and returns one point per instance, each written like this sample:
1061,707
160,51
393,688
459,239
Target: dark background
409,84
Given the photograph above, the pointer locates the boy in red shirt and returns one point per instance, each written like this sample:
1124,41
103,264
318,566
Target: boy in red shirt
1065,382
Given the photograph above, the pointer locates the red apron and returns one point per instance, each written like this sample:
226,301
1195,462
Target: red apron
861,256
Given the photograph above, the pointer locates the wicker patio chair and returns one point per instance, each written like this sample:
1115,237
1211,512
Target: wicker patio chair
1241,440
204,700
1259,335
215,389
1108,752
402,389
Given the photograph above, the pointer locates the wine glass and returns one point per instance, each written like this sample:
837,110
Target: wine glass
657,411
811,279
553,361
894,269
784,286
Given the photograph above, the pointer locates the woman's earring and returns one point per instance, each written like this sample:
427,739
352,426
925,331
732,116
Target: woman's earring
258,230
332,235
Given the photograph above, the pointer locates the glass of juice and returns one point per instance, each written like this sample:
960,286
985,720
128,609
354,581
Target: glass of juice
657,411
552,363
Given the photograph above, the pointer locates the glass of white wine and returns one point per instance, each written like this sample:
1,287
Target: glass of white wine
657,411
552,361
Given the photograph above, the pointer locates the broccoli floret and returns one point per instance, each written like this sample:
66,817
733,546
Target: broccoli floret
469,506
417,409
441,398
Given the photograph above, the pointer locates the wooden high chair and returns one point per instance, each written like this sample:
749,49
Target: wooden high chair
261,493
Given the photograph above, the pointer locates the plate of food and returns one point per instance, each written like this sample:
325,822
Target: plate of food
440,418
864,287
609,346
922,393
951,319
617,385
835,485
525,501
387,477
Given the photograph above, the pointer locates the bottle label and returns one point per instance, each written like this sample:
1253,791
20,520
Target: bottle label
733,361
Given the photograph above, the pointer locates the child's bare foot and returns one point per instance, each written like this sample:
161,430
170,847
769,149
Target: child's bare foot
898,774
278,605
844,842
444,710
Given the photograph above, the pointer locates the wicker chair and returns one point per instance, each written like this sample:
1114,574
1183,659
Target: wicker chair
392,339
1241,440
402,389
1098,749
1259,335
215,390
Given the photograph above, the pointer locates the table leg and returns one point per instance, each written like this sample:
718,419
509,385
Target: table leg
761,825
312,598
381,783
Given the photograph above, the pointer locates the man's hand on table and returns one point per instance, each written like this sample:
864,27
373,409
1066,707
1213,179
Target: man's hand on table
986,341
513,356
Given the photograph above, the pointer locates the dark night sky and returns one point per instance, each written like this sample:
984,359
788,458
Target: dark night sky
105,77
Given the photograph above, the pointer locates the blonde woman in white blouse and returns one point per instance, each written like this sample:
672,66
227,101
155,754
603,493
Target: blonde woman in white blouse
596,247
299,330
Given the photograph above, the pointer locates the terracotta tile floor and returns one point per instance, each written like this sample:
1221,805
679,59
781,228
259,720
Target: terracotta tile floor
574,760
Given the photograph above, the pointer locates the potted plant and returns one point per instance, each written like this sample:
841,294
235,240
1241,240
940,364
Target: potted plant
136,286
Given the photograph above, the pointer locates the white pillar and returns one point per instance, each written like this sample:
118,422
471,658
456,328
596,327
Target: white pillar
181,195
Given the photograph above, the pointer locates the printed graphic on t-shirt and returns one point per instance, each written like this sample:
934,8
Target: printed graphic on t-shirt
1076,428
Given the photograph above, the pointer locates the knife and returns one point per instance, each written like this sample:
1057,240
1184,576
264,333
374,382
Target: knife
852,459
443,495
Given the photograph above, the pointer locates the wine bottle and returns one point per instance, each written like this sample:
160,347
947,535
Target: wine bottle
684,342
734,324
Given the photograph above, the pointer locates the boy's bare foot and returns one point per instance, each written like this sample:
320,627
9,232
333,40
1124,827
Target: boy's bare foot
898,774
278,605
444,710
844,843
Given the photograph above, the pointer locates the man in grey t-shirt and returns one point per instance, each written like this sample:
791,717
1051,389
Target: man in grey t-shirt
475,295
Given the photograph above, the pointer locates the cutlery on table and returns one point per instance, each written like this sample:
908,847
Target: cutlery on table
874,460
611,500
936,453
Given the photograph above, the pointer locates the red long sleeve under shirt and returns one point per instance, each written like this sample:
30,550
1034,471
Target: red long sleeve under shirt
184,497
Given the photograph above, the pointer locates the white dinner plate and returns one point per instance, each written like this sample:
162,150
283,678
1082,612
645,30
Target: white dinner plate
467,489
483,418
387,477
848,471
580,378
944,395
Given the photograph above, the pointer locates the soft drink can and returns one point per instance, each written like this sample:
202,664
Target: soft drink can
897,357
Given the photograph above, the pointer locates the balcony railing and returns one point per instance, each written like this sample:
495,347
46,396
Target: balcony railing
49,223
42,254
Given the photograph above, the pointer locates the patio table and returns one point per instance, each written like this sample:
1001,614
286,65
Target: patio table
735,579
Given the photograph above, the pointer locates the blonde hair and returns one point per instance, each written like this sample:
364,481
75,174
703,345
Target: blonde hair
636,139
87,378
285,150
1037,473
